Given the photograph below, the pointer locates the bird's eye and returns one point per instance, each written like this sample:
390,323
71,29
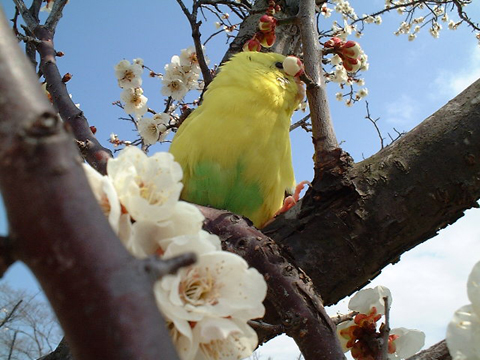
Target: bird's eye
279,65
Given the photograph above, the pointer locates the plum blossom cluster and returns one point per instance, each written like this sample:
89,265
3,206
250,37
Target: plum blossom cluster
347,60
435,17
463,332
129,78
182,74
265,36
360,335
206,305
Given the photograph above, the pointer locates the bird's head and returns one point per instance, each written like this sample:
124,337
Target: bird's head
271,74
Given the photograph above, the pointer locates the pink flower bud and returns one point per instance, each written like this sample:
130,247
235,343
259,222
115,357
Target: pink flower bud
351,65
293,66
266,39
267,23
252,45
334,42
351,49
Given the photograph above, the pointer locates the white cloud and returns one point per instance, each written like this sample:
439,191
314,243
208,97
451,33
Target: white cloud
402,111
453,81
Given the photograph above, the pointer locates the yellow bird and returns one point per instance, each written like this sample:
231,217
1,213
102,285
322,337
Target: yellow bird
235,147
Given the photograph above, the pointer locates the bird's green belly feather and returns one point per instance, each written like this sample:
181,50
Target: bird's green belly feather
223,188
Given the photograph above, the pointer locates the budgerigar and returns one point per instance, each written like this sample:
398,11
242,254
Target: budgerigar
235,147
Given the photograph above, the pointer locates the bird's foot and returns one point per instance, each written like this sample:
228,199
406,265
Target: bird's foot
291,200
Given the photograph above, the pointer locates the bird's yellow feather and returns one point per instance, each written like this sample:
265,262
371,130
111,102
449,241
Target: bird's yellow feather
235,147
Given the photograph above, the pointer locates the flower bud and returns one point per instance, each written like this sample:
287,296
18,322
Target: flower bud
266,39
334,42
351,49
351,65
252,45
267,23
293,66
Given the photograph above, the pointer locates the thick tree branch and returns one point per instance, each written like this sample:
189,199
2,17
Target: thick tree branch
439,351
290,291
103,299
6,254
358,218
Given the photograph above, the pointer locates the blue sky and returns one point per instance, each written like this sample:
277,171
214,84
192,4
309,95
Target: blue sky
407,81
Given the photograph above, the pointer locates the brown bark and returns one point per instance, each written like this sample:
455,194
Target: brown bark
291,299
358,218
102,296
439,351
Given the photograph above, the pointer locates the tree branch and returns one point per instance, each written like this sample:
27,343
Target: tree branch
55,15
323,134
290,291
87,274
439,351
93,152
6,254
363,216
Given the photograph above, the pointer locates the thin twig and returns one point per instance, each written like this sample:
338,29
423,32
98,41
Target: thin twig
301,123
31,22
157,268
374,122
55,15
11,313
385,331
345,317
195,26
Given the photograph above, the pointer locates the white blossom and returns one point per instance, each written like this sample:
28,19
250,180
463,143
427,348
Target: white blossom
148,187
221,338
336,60
219,284
153,129
107,198
364,300
135,101
363,92
435,29
339,75
463,332
408,343
129,75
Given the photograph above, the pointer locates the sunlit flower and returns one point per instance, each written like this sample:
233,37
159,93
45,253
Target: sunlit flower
221,338
153,129
129,75
107,198
135,101
148,187
220,284
463,332
363,92
404,343
364,300
174,86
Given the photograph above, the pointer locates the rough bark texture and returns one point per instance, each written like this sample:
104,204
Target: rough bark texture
355,220
57,228
358,218
438,351
291,299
